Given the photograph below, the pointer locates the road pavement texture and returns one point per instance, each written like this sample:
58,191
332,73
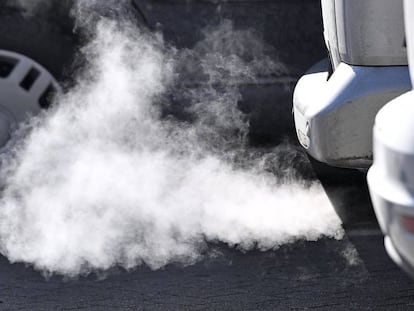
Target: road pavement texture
351,274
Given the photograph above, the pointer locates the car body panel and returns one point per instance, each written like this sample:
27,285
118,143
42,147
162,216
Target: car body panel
368,33
391,177
334,117
334,114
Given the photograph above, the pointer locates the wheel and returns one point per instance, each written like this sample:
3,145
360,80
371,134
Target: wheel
36,55
25,88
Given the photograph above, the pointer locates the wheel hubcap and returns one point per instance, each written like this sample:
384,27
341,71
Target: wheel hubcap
25,87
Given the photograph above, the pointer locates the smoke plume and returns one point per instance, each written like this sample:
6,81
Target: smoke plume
107,177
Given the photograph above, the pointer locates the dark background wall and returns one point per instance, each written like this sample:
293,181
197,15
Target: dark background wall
292,28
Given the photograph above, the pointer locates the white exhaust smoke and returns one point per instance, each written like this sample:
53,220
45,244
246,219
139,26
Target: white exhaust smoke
106,179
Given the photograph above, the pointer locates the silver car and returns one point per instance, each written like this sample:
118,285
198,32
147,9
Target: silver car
336,101
391,177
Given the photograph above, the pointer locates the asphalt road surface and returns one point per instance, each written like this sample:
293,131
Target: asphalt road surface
354,273
351,274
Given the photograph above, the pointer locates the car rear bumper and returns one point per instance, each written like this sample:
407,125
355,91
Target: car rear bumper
334,117
399,242
391,180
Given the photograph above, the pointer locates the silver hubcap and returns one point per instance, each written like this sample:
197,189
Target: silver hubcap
24,89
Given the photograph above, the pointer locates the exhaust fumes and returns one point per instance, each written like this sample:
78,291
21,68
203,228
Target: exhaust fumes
106,178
